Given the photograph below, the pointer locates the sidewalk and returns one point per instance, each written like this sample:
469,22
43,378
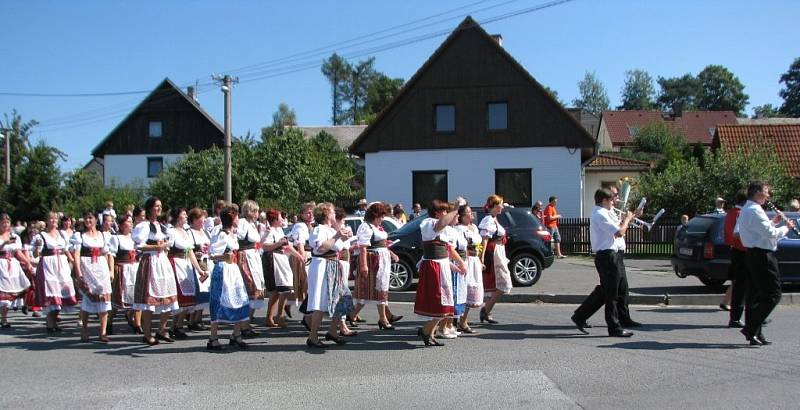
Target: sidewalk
651,282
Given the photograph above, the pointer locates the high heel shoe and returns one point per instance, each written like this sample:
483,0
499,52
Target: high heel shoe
485,317
166,338
335,339
394,318
137,330
316,344
385,326
351,334
238,342
429,340
351,322
465,329
150,341
305,324
288,311
214,346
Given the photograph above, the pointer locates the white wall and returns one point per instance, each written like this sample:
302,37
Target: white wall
594,181
554,171
130,169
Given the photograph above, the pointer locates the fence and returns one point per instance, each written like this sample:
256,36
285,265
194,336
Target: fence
639,241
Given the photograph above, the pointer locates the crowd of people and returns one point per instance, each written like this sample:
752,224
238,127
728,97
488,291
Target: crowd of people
237,260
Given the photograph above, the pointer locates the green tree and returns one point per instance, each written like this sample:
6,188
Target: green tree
19,132
337,70
678,94
720,90
380,93
35,189
281,118
661,142
638,92
356,89
85,191
765,111
593,97
791,90
195,179
553,93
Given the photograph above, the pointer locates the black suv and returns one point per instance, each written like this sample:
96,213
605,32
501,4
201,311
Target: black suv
528,248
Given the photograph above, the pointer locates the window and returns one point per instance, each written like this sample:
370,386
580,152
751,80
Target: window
497,116
445,118
154,129
712,130
428,185
514,185
632,131
154,166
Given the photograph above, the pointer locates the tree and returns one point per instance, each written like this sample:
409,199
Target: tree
661,142
593,96
36,187
281,118
85,191
678,94
553,93
356,89
765,111
639,91
380,93
337,70
720,90
19,131
791,91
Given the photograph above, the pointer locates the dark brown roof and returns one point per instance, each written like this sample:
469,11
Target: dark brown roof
696,126
784,139
470,69
606,162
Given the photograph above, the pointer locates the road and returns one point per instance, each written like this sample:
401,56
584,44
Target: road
683,358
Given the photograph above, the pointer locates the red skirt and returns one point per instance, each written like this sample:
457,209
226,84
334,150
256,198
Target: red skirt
365,289
428,301
489,282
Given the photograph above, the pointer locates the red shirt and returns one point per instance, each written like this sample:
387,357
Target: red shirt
549,213
730,223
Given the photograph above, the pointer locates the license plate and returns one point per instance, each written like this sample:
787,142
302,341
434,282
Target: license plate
685,251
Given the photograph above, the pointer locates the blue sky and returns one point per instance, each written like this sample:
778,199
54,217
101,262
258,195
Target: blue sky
111,46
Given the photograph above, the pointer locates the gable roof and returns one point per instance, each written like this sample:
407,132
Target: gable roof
344,134
606,162
165,91
567,130
696,126
785,139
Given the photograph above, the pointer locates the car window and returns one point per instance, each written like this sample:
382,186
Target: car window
411,225
388,226
353,224
699,225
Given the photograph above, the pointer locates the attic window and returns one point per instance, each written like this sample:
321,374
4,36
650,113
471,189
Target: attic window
154,129
445,118
632,131
154,166
712,130
497,115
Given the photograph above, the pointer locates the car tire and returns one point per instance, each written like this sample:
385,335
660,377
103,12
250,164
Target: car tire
679,273
401,276
712,283
526,269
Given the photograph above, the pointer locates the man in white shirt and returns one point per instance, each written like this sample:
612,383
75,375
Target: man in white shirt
623,310
603,231
760,236
719,206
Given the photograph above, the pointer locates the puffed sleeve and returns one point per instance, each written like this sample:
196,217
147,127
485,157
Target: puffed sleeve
106,242
364,234
75,242
140,234
171,236
113,244
316,238
484,226
218,244
242,229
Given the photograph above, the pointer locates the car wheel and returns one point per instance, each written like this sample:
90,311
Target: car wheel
525,269
401,276
679,273
712,283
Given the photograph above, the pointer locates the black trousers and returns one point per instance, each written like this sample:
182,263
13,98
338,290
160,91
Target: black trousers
622,308
608,293
743,292
764,276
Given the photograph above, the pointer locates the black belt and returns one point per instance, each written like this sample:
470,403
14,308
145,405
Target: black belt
245,245
178,253
434,250
51,252
605,252
89,252
125,256
332,256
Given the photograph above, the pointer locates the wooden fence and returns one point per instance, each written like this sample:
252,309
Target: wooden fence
640,241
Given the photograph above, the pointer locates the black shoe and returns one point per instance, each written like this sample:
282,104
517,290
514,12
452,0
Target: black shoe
350,322
6,325
150,341
214,346
305,324
248,333
316,344
763,340
178,333
137,330
580,325
358,319
630,323
195,327
238,342
736,324
24,310
334,339
752,339
766,321
351,334
288,311
620,333
724,307
485,317
166,338
383,326
394,318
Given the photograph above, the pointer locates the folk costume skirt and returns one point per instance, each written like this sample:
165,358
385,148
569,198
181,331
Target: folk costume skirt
434,297
228,302
124,284
155,289
185,281
95,284
299,278
496,276
278,274
474,281
373,286
13,282
55,289
253,275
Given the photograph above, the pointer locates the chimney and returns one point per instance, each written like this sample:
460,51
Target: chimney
498,38
191,93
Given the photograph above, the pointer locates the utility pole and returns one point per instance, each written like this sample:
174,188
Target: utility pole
6,134
227,83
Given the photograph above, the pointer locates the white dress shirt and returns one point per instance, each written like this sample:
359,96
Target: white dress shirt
602,230
756,230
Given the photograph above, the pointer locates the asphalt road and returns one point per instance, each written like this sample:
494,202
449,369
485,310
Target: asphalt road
682,358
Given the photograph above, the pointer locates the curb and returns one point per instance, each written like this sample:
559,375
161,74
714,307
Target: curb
574,299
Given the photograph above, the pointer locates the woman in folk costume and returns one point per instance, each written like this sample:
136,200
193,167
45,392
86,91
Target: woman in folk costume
14,281
474,276
374,265
496,276
93,274
326,283
278,274
55,290
456,241
31,247
298,238
185,265
122,248
200,246
250,260
155,291
344,261
228,301
434,298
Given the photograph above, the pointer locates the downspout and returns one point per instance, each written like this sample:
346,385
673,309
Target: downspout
583,173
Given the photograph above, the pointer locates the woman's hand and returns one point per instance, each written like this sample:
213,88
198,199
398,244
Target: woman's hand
395,258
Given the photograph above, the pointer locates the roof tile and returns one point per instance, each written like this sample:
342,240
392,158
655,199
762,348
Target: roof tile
784,138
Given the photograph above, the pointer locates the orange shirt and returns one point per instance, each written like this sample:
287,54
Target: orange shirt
549,213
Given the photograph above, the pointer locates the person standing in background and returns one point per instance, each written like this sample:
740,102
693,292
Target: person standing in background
551,217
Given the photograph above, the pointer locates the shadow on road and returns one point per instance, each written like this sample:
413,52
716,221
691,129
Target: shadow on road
654,345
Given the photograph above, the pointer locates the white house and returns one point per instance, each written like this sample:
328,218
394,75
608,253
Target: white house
472,122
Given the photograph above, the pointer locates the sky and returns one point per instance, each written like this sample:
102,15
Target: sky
276,48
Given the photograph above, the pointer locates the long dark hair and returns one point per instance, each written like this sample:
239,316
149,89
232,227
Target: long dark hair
149,204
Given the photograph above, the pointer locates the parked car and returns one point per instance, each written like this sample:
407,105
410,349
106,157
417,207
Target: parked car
389,225
700,250
528,248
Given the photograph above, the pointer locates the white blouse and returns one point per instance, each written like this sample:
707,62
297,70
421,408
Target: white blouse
199,238
322,233
365,232
299,233
59,243
142,233
176,240
489,227
470,234
121,242
11,247
272,235
247,230
223,242
80,240
428,234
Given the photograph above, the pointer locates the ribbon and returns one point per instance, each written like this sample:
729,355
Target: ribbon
95,254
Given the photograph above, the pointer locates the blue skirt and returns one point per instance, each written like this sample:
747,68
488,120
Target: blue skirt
228,300
458,308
